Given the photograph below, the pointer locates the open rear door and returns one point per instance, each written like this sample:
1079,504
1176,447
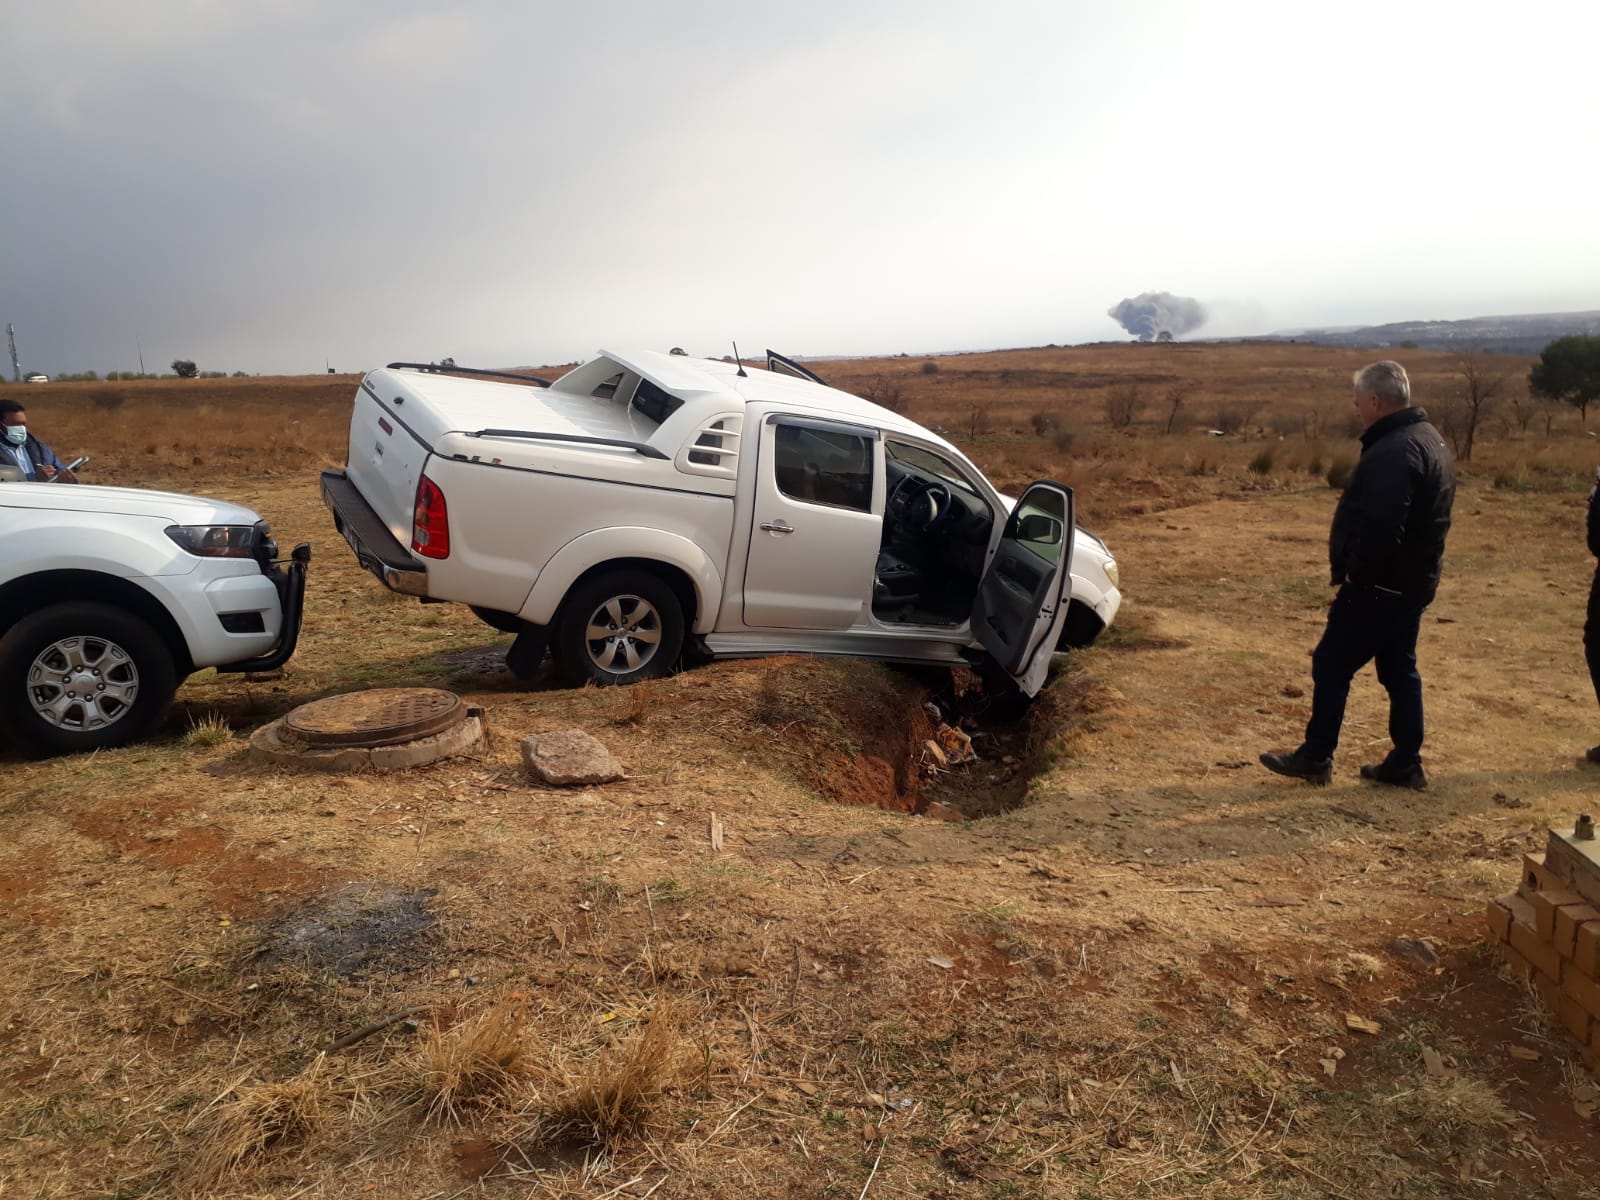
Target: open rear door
1022,602
779,365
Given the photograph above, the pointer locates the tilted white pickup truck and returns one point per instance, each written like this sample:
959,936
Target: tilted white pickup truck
109,597
643,500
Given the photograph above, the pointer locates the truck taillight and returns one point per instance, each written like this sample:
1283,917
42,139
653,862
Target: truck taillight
430,522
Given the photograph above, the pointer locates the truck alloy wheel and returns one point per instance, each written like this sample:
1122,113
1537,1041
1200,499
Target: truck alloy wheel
619,628
82,677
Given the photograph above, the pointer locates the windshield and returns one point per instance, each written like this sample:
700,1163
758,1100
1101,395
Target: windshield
929,463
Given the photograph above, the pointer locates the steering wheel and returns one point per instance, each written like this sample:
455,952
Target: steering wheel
917,505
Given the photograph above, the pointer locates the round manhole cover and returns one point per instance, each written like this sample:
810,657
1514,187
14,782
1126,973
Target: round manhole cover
378,717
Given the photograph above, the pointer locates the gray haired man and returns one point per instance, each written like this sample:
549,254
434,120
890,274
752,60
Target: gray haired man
1385,550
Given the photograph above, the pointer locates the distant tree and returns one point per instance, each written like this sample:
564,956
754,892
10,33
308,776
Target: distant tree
1164,336
1569,370
184,368
1463,412
1174,401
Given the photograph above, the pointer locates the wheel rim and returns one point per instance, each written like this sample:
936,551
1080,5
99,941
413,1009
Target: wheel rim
623,634
82,684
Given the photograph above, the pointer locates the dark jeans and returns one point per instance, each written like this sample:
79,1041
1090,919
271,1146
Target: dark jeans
1591,634
1366,625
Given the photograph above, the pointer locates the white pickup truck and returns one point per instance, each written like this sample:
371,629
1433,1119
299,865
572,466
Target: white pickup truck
645,501
109,597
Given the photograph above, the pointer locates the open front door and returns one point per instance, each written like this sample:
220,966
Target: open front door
1022,602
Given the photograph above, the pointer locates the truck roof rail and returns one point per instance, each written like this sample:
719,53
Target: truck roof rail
437,369
641,448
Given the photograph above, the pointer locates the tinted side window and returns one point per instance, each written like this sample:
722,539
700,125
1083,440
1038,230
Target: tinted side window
654,403
824,467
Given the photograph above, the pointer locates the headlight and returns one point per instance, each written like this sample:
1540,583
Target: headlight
1112,573
215,541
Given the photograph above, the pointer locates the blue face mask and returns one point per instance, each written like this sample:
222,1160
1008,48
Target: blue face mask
16,434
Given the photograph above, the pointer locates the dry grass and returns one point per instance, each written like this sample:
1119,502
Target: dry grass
208,732
608,1095
1124,984
479,1063
260,1117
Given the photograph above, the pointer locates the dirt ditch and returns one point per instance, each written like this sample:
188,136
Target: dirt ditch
945,744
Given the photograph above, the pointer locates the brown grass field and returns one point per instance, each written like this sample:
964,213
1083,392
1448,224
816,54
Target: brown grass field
1127,972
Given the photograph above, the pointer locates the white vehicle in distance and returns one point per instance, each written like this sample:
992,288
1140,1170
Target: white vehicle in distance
646,501
110,597
36,378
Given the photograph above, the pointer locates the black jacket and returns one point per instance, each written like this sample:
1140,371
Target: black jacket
1389,529
1594,517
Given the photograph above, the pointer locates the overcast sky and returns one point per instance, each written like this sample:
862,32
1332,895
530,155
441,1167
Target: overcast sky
273,185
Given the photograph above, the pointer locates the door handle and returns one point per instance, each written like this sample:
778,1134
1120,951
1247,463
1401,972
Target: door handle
777,527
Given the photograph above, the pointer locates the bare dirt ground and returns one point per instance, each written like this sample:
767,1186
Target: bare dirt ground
1134,978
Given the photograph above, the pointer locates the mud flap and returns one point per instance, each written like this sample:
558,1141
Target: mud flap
527,651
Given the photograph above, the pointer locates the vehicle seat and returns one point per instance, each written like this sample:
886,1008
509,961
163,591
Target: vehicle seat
896,581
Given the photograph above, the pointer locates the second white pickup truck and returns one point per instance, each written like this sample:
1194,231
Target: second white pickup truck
109,597
645,500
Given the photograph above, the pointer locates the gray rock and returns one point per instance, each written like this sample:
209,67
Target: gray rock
569,758
1417,950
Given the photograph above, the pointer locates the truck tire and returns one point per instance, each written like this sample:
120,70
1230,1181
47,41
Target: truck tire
78,677
619,627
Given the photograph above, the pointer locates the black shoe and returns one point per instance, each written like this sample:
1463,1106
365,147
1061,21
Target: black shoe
1407,777
1592,754
1296,766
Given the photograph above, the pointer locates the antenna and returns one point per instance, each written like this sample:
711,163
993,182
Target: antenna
11,336
741,372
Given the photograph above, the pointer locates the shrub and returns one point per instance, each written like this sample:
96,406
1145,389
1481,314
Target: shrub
888,394
1261,464
1506,481
107,399
1284,423
1042,422
1314,467
1063,438
1339,472
930,368
1230,418
1123,403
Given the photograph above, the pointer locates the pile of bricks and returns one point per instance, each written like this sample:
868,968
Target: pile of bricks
1550,928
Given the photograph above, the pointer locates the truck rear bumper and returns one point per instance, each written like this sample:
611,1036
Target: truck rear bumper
369,538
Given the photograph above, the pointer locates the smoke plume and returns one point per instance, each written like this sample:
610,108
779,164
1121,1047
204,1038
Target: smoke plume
1151,314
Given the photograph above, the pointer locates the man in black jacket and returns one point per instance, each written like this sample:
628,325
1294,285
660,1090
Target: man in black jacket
1385,549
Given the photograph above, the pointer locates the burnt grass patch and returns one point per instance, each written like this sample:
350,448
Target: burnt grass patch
358,928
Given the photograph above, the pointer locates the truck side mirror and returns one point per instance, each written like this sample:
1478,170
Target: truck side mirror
1036,527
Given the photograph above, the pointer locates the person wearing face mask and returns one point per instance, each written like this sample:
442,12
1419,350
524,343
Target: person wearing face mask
20,448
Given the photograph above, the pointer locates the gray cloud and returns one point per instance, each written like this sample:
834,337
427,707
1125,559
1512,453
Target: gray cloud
262,186
1151,313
